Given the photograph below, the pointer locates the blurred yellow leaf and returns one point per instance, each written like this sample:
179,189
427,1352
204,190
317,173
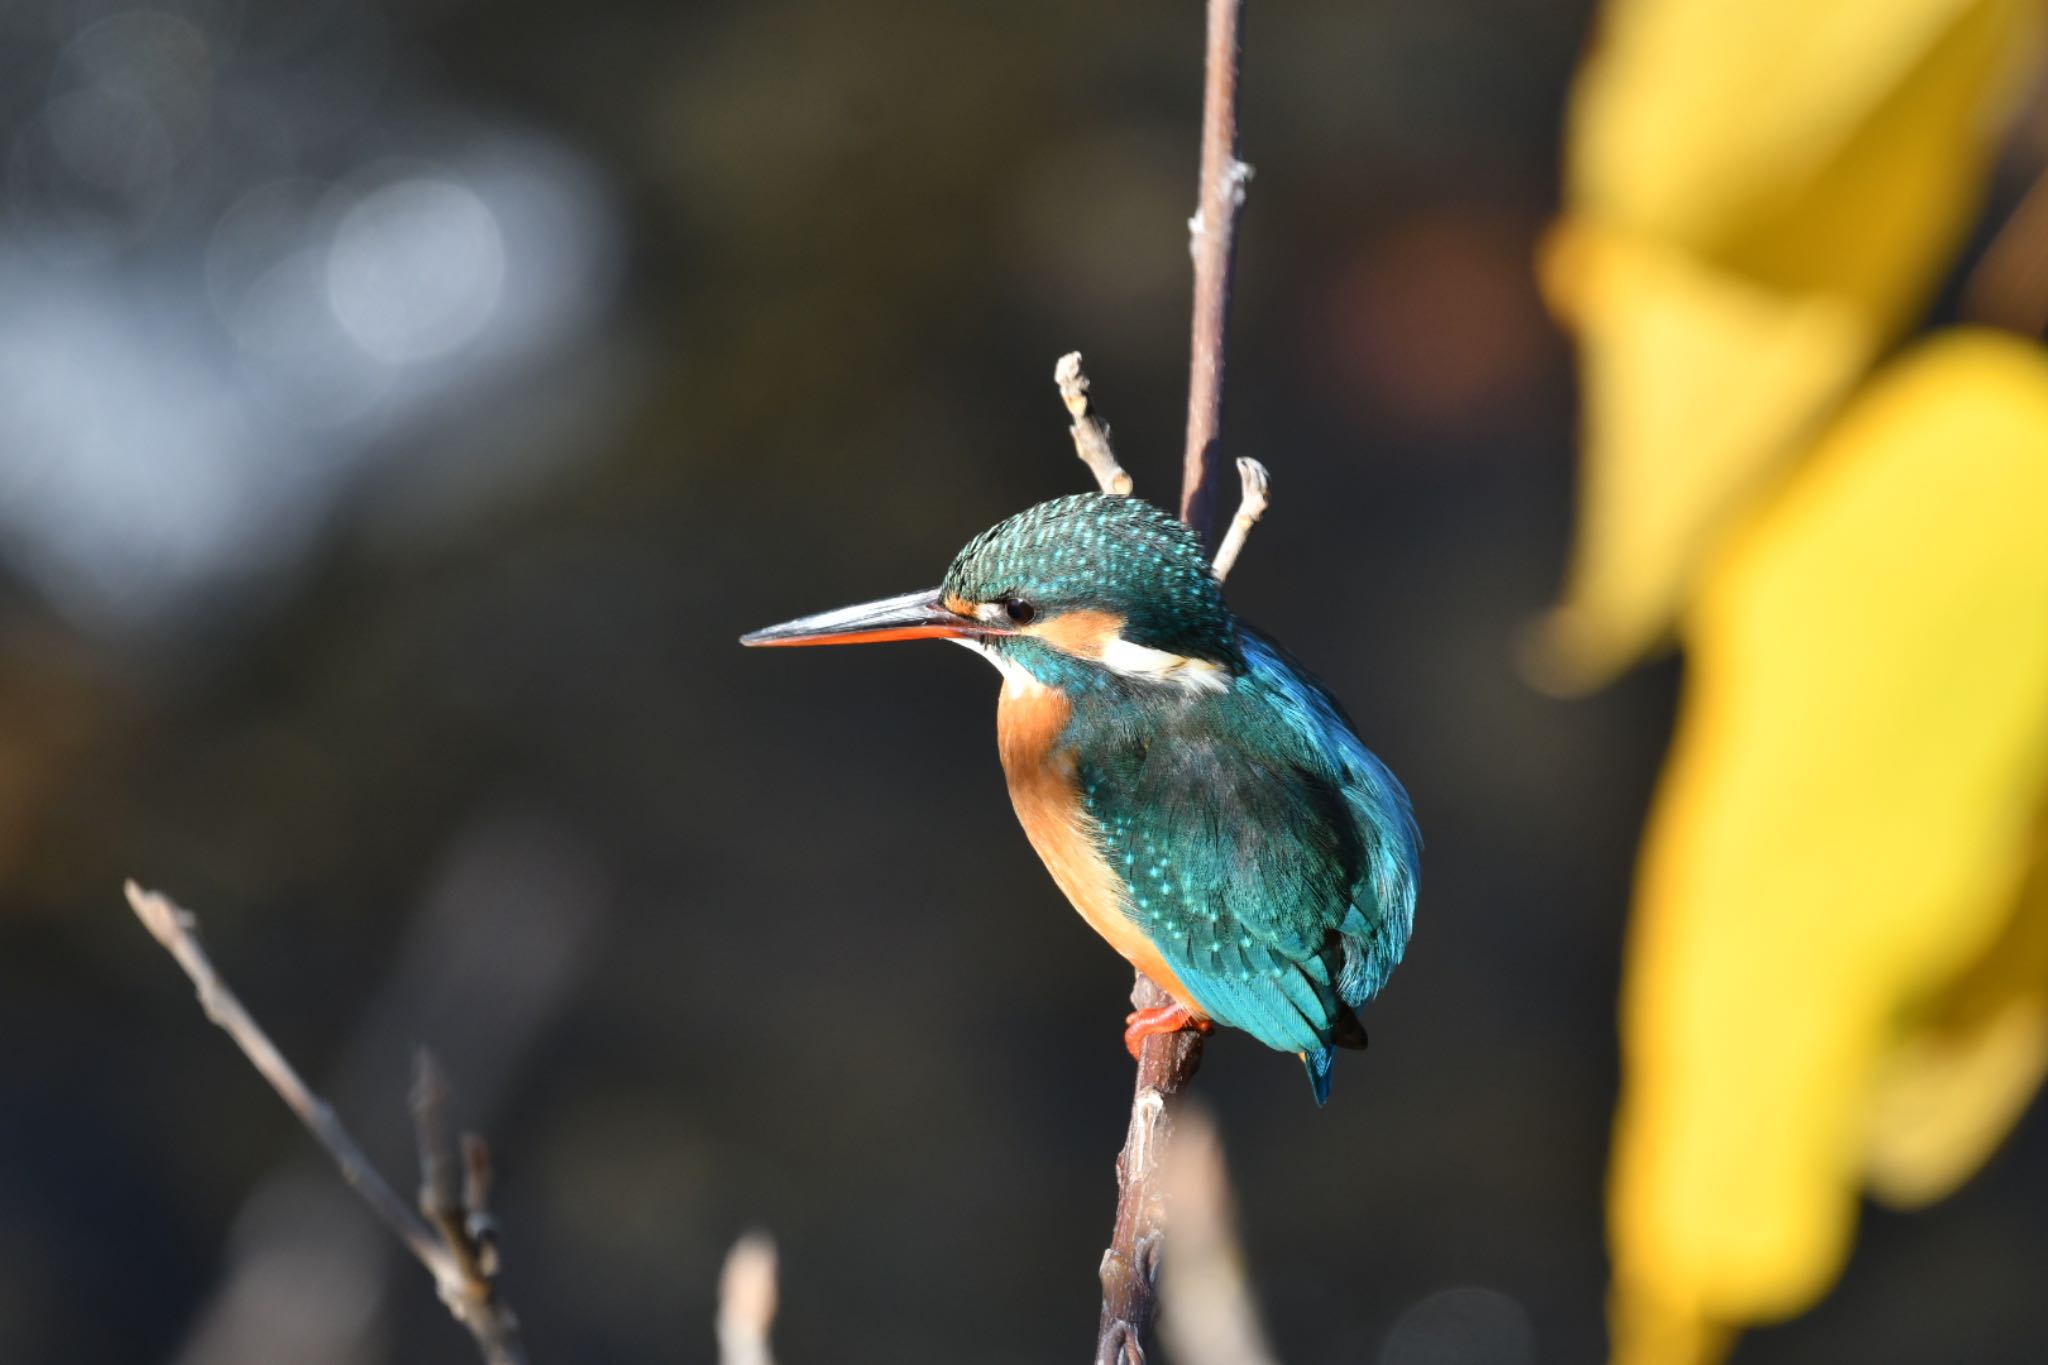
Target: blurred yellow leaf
1962,1077
1690,376
1947,1099
1760,194
1845,825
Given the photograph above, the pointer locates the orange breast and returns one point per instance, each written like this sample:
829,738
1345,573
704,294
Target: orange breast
1046,791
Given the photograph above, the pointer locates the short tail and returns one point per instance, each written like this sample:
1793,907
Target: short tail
1345,1031
1319,1064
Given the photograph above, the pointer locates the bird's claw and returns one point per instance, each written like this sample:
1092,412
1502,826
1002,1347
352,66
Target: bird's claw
1142,1024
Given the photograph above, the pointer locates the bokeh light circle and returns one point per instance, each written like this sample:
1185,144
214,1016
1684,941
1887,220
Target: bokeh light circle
416,270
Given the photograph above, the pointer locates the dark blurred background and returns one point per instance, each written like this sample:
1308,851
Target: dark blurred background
403,408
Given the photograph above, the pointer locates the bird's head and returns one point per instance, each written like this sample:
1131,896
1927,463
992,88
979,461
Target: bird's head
1081,591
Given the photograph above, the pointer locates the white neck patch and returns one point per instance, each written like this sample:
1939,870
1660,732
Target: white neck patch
1128,660
1141,663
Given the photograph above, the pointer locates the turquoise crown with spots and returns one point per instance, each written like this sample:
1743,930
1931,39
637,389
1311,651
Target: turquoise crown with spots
1103,552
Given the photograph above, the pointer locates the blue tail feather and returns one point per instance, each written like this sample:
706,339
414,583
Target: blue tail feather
1319,1064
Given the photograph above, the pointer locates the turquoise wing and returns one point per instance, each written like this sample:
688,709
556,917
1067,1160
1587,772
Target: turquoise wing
1269,855
1382,914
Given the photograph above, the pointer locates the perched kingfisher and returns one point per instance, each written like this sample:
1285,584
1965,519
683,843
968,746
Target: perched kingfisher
1202,801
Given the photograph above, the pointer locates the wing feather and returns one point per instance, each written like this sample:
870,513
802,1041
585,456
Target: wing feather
1270,856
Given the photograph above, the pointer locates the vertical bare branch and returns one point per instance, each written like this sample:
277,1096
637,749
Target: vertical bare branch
1091,435
469,1298
1212,241
1130,1268
1168,1061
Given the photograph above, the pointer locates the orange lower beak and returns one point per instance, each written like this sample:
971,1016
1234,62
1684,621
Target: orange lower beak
913,616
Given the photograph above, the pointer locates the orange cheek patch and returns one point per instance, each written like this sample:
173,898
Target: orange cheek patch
1083,634
959,605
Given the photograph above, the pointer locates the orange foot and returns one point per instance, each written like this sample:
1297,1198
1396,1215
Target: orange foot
1142,1024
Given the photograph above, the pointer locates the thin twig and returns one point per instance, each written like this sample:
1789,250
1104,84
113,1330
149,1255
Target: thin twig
1251,506
440,1197
1168,1061
459,1211
746,1301
1212,241
177,930
479,1227
501,937
472,1303
1091,435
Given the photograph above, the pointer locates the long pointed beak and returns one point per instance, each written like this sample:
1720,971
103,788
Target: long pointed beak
913,616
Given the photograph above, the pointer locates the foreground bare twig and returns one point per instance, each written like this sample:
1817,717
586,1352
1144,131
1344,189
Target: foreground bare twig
464,1285
747,1295
1208,1315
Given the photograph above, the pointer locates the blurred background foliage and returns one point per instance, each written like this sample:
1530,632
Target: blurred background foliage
1836,975
403,407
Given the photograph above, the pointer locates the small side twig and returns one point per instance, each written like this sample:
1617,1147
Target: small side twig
440,1197
747,1295
1251,506
468,1294
459,1210
480,1227
1091,436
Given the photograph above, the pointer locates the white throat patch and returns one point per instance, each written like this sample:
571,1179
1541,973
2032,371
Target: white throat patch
1017,679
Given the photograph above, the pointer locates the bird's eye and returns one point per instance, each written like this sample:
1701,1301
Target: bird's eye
1019,611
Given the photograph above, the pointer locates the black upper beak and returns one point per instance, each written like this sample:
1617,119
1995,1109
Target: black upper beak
913,616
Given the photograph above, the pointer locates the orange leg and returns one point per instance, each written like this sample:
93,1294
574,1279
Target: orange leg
1141,1024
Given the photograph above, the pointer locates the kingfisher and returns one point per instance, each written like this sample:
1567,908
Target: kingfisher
1198,796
